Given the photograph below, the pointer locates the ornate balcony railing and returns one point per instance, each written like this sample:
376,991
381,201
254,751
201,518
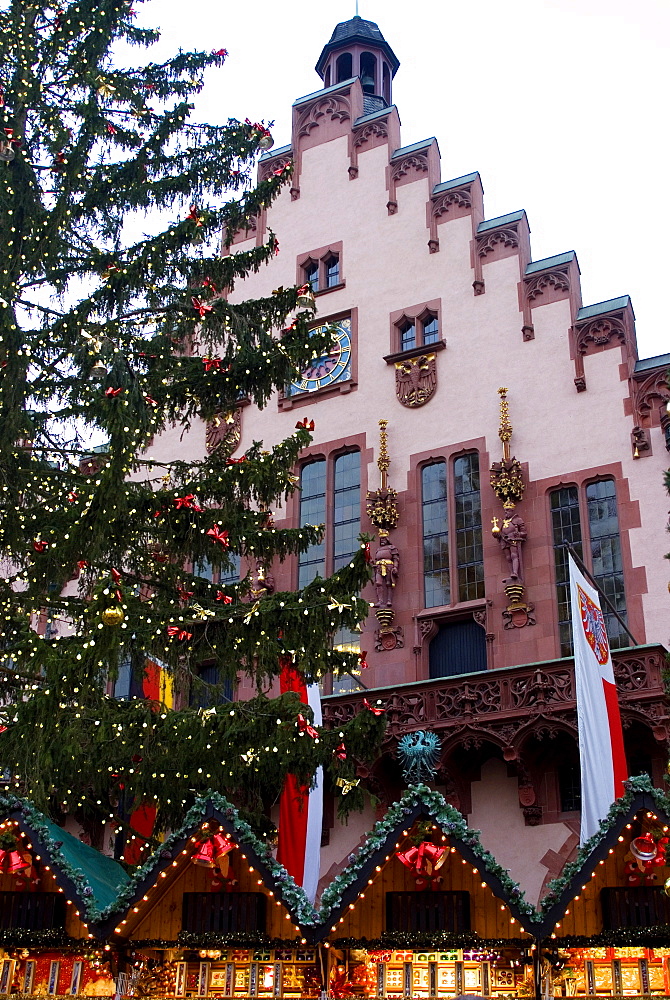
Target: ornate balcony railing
504,703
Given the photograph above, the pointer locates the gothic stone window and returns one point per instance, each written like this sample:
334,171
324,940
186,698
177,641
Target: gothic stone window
331,495
588,519
452,531
417,331
322,268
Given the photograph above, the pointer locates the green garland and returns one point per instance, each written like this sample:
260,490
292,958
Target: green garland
36,825
52,937
451,823
621,937
286,889
424,941
639,785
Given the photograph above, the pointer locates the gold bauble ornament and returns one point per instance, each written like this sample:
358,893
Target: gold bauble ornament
113,615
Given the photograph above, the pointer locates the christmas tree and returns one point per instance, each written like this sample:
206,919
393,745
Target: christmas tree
109,338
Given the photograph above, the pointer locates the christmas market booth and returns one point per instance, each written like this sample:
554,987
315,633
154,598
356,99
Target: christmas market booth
211,913
423,910
54,890
606,919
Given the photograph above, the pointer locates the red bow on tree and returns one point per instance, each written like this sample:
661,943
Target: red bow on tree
39,545
220,52
176,633
305,727
111,129
82,564
71,497
193,215
220,596
236,461
188,501
184,595
200,306
275,247
307,424
113,392
368,556
116,576
217,535
364,662
211,363
208,283
150,401
373,708
341,752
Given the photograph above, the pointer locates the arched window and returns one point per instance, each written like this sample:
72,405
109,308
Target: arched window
368,73
343,67
591,525
460,549
386,84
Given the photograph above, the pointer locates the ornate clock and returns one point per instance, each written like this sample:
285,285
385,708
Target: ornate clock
326,369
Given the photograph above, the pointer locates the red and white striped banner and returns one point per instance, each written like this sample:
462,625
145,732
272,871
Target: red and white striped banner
301,807
601,749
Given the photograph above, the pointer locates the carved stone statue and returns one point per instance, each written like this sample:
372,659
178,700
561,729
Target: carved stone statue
262,582
386,563
511,537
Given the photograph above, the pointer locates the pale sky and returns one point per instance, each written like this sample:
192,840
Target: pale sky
561,105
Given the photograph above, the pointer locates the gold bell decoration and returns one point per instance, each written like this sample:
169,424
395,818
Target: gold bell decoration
113,615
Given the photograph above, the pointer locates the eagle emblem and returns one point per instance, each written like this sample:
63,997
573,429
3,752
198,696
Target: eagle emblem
415,379
593,624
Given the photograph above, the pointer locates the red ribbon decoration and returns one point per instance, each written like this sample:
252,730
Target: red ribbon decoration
371,708
184,595
220,596
190,501
116,576
307,424
111,129
423,861
368,556
341,752
236,461
364,662
150,401
208,283
220,52
83,563
174,632
193,214
200,306
211,363
217,535
305,727
113,392
40,546
71,497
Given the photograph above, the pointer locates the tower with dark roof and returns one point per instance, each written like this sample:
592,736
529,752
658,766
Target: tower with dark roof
357,48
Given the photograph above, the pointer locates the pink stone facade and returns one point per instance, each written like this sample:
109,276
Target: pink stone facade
583,409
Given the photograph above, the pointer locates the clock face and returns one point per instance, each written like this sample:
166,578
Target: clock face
335,366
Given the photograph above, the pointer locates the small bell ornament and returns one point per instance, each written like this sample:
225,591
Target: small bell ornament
113,615
98,371
266,141
305,299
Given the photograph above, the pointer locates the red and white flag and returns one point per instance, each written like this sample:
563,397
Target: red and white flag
301,807
601,750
